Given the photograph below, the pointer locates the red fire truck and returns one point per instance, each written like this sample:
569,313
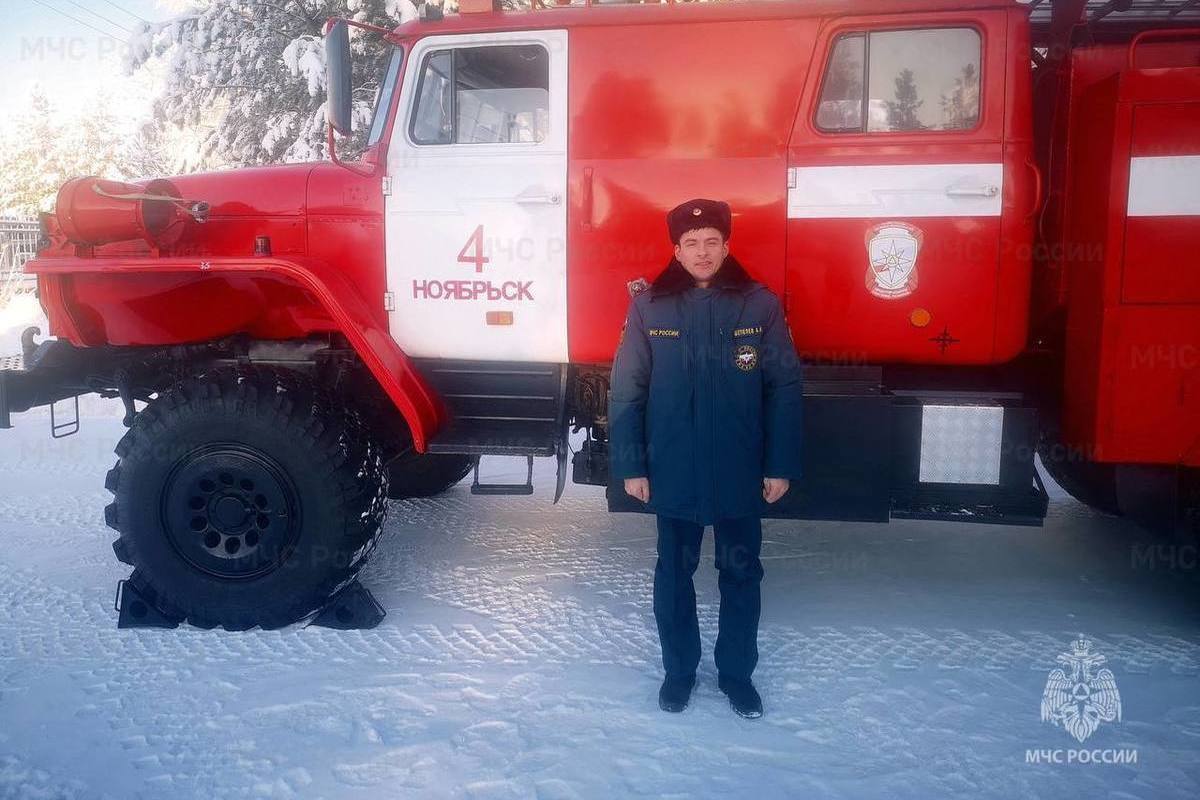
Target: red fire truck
982,215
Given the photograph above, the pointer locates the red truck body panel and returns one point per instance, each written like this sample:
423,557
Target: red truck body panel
675,122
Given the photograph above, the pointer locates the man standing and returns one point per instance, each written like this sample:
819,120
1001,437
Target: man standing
704,428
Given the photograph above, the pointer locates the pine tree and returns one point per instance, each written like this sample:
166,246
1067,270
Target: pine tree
146,153
902,112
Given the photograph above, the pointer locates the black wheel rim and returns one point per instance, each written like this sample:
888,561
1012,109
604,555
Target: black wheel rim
230,511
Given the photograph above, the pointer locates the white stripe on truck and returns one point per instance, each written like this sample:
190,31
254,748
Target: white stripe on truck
895,190
1164,186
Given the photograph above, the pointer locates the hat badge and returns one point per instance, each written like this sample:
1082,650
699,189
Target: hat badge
696,211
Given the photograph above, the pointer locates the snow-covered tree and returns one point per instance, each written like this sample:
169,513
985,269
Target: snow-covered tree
255,69
147,153
41,149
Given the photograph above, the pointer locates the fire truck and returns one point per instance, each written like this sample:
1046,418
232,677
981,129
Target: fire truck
982,217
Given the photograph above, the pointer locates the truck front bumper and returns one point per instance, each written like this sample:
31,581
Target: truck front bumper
41,376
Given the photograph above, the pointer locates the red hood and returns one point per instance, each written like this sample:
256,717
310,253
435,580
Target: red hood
250,191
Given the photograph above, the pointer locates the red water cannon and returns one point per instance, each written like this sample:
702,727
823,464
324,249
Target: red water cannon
94,211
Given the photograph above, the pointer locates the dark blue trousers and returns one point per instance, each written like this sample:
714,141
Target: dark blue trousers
738,545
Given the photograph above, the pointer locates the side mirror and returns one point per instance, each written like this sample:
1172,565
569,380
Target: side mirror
337,77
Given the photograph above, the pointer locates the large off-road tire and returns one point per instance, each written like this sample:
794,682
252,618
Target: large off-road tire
417,475
244,497
1163,499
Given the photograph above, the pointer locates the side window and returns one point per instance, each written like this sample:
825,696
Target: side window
842,91
383,96
431,122
915,80
477,95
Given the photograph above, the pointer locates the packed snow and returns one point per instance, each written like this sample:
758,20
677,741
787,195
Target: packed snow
519,657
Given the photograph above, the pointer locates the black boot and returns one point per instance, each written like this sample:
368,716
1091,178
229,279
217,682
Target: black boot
743,697
674,694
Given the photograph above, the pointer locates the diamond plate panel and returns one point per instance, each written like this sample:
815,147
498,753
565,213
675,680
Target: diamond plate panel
961,444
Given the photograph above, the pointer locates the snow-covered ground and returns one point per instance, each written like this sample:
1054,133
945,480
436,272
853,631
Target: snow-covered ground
519,658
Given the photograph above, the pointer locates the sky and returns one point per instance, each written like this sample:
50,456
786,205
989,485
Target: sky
74,49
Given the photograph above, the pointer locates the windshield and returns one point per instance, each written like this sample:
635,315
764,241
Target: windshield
383,96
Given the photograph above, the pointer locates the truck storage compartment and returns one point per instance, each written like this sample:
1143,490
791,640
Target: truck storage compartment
1132,370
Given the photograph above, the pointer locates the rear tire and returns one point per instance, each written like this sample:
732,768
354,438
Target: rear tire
245,498
1165,500
1091,483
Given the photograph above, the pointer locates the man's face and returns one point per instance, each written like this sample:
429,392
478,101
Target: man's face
702,252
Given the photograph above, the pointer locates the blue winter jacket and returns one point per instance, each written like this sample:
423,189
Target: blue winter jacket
706,396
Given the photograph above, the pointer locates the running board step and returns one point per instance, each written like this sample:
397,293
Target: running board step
1027,508
497,437
504,488
510,408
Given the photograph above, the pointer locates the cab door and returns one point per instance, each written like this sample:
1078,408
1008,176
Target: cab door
899,185
476,208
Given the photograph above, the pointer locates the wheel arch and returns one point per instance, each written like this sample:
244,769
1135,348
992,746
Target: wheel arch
347,311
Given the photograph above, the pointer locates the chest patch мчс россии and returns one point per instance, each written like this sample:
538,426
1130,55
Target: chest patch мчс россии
745,357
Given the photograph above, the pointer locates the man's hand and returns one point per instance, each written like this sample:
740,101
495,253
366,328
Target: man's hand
773,488
639,488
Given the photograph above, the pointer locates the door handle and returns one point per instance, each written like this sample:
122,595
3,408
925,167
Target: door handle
587,199
1039,190
550,199
987,190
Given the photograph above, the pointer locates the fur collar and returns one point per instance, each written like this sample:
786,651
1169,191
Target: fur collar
731,275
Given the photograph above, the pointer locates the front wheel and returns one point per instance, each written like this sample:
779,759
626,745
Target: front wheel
245,498
417,475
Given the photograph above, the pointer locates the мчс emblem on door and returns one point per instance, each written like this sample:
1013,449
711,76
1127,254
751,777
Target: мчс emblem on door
892,249
745,357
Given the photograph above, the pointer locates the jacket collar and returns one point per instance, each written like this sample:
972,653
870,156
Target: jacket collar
731,275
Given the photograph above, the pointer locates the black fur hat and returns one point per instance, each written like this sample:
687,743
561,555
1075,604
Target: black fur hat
699,213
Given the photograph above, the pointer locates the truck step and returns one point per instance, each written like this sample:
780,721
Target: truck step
1027,509
504,488
497,407
496,437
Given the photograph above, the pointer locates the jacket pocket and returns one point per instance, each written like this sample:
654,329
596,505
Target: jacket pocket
670,452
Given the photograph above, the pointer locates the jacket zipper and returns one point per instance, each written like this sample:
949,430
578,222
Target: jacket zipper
713,359
684,314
